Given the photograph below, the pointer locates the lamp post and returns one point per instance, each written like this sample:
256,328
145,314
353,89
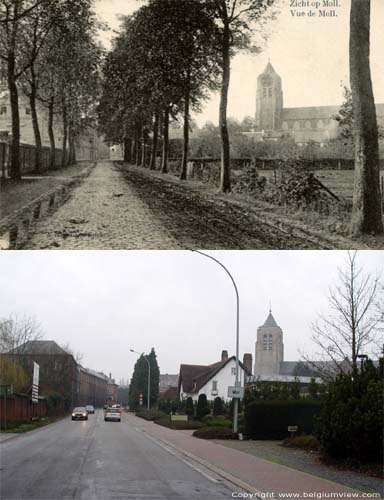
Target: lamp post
149,375
237,378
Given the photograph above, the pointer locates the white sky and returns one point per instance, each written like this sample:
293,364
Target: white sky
310,54
106,302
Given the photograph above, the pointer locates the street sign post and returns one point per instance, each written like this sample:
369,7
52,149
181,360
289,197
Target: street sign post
6,390
35,383
236,392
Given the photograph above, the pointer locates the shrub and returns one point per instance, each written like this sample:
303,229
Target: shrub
269,419
189,408
151,415
179,425
351,421
218,407
303,442
250,182
214,433
219,421
202,407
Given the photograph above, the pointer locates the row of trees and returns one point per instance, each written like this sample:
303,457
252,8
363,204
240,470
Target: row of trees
166,59
48,52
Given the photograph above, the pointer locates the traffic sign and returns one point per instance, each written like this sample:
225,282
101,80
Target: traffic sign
236,392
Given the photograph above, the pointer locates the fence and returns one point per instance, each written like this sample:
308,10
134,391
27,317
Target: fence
28,157
18,408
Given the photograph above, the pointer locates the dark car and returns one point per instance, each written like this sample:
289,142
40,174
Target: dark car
80,413
90,408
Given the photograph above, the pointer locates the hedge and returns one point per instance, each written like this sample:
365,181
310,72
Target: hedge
269,419
214,433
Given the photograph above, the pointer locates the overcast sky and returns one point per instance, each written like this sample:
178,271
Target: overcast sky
310,55
179,302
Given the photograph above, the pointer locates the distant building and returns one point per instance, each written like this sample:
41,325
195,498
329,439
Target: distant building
166,381
58,368
304,124
212,380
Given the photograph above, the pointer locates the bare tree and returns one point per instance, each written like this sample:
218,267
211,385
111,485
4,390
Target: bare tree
77,356
15,331
354,322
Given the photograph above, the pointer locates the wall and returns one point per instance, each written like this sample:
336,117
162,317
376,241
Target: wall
19,408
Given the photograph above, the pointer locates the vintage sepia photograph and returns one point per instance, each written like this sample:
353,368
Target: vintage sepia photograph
176,124
191,375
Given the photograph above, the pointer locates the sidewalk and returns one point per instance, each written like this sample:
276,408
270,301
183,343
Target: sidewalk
247,472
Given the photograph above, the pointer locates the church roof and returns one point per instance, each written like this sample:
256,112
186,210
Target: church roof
270,322
269,69
318,112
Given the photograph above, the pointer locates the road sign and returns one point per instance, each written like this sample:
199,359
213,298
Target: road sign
236,392
35,384
293,428
6,390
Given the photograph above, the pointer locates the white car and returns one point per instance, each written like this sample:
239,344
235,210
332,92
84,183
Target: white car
113,414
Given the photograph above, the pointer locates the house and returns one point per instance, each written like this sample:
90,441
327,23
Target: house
212,380
167,381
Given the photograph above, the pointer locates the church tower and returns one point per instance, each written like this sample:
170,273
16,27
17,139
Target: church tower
269,100
269,350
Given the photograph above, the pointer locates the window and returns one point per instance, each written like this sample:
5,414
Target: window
57,365
270,92
270,342
265,342
3,110
233,371
264,91
27,111
214,385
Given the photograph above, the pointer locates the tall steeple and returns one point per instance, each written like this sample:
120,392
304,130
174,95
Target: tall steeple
269,347
269,99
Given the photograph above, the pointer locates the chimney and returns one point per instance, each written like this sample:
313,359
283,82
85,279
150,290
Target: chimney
247,362
110,375
224,355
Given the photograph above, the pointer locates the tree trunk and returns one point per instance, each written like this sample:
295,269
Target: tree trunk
127,149
71,145
144,149
225,180
164,158
15,170
183,169
366,215
133,148
36,130
152,164
65,136
138,145
51,135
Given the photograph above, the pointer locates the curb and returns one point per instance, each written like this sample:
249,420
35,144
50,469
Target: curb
15,228
220,472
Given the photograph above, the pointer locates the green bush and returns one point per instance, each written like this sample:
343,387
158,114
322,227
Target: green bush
179,425
219,421
189,407
202,407
351,421
218,406
214,433
269,419
303,442
151,414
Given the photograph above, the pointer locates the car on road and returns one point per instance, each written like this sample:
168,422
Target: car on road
80,413
112,414
90,408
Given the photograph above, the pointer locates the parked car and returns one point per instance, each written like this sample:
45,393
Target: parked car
113,414
90,408
80,413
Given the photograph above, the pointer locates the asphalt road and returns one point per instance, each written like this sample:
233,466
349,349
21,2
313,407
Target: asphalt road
95,460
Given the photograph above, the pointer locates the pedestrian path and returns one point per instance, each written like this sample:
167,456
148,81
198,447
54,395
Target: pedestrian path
251,473
104,212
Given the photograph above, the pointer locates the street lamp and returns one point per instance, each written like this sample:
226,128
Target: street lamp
149,375
237,378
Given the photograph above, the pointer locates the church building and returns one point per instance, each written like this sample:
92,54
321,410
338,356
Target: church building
304,124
